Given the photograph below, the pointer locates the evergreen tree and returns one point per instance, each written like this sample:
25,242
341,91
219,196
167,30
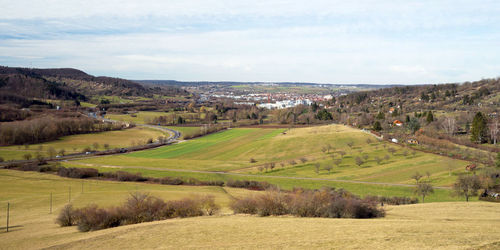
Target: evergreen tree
377,126
380,116
479,130
430,117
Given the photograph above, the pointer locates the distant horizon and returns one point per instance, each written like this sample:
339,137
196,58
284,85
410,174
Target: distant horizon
381,42
255,82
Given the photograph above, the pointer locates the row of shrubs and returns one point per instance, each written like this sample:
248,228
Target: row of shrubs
252,185
203,132
395,200
85,173
138,208
326,202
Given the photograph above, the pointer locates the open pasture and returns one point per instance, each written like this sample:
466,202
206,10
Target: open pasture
295,153
77,143
420,226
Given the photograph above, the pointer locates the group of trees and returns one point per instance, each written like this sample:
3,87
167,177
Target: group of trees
49,128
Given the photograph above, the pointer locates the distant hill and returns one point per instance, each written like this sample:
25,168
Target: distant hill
230,83
88,85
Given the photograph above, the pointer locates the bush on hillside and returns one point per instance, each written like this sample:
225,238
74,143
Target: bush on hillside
138,208
326,202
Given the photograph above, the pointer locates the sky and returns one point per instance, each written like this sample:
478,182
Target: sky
379,42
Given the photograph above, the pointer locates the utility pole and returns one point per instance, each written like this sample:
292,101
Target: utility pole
8,213
50,202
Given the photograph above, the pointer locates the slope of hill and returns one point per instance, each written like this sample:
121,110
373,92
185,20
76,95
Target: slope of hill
465,96
87,84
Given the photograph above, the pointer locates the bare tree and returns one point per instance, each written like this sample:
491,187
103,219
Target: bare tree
27,156
366,157
51,152
449,125
417,176
272,165
387,157
392,150
424,189
324,149
282,164
359,161
303,159
494,130
337,162
62,152
95,145
378,160
467,185
341,153
316,168
350,144
328,167
261,168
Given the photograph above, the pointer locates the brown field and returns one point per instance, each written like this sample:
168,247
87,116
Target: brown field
445,225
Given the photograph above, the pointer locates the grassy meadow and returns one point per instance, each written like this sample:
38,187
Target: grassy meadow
77,143
448,225
296,153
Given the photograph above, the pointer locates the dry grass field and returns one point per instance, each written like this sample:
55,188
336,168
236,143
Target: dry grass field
445,225
77,143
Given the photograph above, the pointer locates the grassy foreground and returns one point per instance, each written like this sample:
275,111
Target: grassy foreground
449,225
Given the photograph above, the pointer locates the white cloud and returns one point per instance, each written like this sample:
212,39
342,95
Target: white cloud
321,41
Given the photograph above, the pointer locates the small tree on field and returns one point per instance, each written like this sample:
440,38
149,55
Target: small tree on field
328,168
387,157
366,157
303,159
272,165
428,174
467,186
359,161
417,176
405,153
62,152
350,144
328,148
413,152
316,168
95,145
341,153
252,160
368,141
106,146
392,150
51,152
337,162
282,164
323,149
261,168
423,189
378,160
27,156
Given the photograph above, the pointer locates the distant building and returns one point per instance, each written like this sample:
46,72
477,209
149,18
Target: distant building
398,123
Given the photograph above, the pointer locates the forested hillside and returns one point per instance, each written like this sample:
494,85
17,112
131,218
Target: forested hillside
86,84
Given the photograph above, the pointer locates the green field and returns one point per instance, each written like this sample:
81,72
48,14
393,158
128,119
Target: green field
227,154
77,143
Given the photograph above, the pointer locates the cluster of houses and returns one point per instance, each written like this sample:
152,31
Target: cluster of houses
285,104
